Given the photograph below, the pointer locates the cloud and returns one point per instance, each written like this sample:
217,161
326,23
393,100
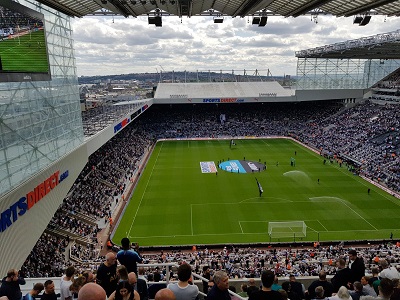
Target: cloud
105,45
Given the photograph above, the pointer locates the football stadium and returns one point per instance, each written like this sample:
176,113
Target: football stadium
246,180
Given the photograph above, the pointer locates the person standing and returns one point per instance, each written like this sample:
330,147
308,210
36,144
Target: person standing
128,257
66,282
107,274
267,279
220,289
356,266
49,293
182,289
10,285
342,276
37,289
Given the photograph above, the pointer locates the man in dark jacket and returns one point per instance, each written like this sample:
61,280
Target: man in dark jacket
220,289
328,287
10,285
342,276
138,285
356,266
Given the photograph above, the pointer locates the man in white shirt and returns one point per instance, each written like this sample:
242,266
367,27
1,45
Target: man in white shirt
387,271
66,281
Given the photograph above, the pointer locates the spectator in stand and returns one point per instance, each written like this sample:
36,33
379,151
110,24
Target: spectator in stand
386,288
207,275
266,292
342,294
182,289
122,273
276,286
10,285
252,287
296,286
128,257
396,290
367,288
165,294
342,276
66,282
124,291
92,291
156,286
292,295
328,287
107,274
77,284
388,271
358,291
220,289
49,291
319,293
356,266
138,285
34,292
243,293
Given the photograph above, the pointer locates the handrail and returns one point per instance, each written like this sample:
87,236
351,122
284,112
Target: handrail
168,265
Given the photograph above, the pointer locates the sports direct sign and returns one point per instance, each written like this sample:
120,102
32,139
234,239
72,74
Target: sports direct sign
26,202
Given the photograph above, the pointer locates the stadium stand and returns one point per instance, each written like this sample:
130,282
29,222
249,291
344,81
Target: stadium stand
322,126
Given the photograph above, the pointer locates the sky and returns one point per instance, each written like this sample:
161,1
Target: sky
108,46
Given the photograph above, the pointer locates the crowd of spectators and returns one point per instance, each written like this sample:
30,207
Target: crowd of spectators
367,133
387,89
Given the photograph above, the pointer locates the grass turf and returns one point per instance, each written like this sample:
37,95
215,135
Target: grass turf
26,53
175,204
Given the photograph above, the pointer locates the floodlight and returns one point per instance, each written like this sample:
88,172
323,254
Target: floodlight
357,20
365,21
263,22
256,21
158,21
152,20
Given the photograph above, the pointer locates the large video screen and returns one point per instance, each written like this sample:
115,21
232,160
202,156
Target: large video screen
23,48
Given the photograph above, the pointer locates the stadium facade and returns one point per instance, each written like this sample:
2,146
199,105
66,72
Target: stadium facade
43,148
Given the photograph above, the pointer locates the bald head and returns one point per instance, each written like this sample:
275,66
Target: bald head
111,259
92,291
132,278
165,294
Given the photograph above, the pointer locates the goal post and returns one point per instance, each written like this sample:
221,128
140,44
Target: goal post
287,229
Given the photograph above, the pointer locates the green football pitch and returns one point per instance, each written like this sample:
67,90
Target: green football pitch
175,203
26,53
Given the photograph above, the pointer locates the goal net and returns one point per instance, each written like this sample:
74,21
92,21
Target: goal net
287,229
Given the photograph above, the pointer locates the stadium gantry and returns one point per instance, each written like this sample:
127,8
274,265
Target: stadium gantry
43,147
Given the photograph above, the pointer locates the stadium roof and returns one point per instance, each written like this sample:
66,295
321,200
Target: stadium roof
233,8
380,46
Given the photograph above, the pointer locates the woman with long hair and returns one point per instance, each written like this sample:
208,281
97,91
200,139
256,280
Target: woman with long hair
124,291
